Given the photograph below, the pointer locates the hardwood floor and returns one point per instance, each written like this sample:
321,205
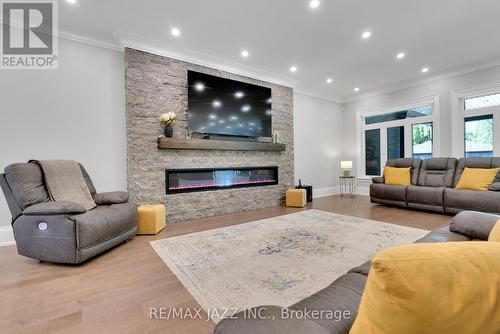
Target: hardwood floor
113,292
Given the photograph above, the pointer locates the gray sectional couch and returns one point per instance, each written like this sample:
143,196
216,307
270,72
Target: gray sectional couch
344,294
433,183
63,231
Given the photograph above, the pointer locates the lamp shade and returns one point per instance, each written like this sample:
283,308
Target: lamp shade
346,164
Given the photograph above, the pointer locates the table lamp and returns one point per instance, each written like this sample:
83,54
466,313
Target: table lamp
346,167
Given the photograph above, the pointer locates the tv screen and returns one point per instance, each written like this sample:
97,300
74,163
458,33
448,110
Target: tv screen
218,106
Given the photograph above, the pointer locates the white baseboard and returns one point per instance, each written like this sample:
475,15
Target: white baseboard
6,236
329,191
323,192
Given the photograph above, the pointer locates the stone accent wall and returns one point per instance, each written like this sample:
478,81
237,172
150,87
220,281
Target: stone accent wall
156,84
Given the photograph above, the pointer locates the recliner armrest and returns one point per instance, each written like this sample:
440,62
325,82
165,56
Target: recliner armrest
477,225
378,179
54,208
114,197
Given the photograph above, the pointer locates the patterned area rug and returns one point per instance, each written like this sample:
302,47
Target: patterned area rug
275,261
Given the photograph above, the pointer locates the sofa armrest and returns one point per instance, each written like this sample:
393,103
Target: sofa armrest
477,225
54,208
114,197
378,179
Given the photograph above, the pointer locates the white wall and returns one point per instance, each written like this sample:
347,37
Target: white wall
318,142
443,87
76,112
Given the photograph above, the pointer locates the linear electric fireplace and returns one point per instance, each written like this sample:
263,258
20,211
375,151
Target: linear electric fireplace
201,179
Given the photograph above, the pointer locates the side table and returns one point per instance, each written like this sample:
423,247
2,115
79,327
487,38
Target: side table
348,186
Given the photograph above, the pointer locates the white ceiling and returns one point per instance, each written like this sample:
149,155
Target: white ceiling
444,35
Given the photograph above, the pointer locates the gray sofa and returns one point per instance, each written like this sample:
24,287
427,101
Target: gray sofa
344,294
63,232
433,183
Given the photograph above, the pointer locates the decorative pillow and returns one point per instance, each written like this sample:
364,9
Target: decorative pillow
477,178
444,288
495,233
397,176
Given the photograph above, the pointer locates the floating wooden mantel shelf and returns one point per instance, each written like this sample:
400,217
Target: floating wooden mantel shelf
211,144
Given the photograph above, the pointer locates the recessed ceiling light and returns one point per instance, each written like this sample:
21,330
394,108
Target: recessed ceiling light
239,95
216,104
245,53
401,55
212,116
314,4
199,86
234,118
246,108
293,69
71,1
222,121
175,32
425,70
356,89
366,34
329,80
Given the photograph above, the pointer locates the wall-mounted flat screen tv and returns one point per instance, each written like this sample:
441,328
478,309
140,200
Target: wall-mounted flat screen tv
218,106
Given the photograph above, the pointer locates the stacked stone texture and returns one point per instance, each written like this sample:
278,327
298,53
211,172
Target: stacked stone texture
157,84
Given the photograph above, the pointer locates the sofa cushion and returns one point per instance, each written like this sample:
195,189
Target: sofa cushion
477,225
27,184
425,195
407,162
388,192
437,172
415,289
463,199
397,175
54,208
103,223
344,294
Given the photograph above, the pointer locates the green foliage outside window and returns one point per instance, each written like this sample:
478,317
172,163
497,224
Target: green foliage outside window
422,133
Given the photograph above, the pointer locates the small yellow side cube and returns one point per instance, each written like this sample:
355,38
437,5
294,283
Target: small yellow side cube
151,219
296,198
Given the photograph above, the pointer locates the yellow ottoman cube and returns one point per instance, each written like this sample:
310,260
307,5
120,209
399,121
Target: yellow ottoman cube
296,198
151,219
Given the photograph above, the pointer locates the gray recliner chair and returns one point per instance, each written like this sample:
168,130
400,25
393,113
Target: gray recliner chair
62,231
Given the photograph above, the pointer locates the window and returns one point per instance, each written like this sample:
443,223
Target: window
422,140
479,136
484,101
399,115
395,134
395,142
478,126
372,157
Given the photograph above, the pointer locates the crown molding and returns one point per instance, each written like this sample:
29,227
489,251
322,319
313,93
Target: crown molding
412,83
90,41
319,96
199,58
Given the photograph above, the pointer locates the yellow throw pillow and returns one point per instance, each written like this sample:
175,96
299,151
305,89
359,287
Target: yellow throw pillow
495,232
397,176
477,178
444,288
